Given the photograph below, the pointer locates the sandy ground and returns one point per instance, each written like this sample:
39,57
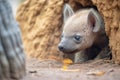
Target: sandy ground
51,70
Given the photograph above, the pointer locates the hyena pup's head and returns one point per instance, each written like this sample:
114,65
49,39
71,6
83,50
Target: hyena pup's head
80,29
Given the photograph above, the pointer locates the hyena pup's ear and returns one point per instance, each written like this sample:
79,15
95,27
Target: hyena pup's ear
67,12
95,20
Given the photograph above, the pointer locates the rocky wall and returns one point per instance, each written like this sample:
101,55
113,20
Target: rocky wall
41,24
110,9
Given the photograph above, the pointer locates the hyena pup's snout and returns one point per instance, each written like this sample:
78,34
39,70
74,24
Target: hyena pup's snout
64,46
67,45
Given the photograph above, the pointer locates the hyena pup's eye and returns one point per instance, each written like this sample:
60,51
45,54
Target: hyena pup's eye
77,37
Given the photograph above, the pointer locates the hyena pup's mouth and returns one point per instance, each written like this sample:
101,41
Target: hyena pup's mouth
71,52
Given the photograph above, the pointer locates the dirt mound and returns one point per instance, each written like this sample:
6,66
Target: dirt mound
41,22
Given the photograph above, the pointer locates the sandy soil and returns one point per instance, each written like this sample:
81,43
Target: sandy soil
92,70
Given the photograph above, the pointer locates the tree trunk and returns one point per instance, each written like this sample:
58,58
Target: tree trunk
42,24
12,58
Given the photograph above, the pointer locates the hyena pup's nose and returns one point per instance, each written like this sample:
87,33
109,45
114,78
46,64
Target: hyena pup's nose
61,48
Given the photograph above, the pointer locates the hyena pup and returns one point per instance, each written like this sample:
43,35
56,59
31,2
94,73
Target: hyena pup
83,36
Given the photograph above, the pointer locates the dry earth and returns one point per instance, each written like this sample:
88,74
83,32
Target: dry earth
92,70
